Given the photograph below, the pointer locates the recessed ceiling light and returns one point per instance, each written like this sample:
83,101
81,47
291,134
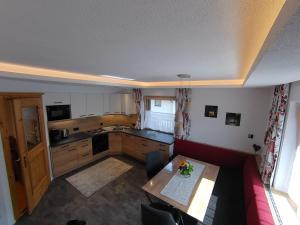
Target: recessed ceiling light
184,76
116,77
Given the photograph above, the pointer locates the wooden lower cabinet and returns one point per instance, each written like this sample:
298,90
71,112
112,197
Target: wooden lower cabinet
71,156
139,147
68,157
115,142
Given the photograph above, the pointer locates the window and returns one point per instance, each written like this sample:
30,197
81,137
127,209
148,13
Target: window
157,103
160,113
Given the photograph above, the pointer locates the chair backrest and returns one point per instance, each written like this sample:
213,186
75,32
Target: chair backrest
152,216
154,163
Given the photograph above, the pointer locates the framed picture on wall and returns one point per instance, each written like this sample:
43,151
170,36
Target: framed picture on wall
233,119
211,111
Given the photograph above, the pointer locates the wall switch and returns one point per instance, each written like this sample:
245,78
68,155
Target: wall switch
250,136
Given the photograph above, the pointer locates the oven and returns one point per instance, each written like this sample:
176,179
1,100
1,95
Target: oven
100,143
58,112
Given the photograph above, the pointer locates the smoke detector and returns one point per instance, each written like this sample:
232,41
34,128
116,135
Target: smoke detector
184,76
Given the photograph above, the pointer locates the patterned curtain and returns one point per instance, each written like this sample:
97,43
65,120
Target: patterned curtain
137,97
274,131
182,117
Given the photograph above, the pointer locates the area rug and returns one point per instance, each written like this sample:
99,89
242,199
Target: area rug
95,177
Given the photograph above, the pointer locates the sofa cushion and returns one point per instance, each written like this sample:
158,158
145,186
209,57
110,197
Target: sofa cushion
211,154
252,183
259,212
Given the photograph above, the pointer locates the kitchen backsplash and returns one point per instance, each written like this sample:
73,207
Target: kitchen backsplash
91,123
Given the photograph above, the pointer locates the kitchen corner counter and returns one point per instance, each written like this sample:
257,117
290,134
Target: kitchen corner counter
151,135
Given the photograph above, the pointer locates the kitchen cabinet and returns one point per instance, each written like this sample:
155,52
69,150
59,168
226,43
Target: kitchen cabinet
106,103
85,105
115,142
78,105
116,104
138,147
56,99
94,104
71,156
128,104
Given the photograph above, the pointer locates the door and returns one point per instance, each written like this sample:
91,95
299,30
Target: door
32,146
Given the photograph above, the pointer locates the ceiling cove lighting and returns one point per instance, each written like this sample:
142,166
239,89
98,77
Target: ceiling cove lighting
116,77
10,70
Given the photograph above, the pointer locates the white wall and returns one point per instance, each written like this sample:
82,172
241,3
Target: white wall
14,85
290,141
252,103
6,213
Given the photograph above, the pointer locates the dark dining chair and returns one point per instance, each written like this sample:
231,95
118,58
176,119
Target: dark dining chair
159,214
154,163
76,222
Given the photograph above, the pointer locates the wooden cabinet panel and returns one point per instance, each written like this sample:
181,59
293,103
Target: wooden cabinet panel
139,147
115,142
70,156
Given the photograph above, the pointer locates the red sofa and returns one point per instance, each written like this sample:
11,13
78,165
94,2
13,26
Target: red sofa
255,200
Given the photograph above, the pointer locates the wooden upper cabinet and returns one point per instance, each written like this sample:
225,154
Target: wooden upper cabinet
57,98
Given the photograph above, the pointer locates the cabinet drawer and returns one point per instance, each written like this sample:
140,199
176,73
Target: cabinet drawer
61,168
64,155
84,158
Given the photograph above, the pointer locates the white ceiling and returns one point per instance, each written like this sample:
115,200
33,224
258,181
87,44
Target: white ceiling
140,39
280,62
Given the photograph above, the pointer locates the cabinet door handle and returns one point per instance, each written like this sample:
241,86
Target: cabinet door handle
91,114
72,149
82,115
84,145
58,102
65,146
85,155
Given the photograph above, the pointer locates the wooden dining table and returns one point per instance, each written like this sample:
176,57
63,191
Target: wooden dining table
201,192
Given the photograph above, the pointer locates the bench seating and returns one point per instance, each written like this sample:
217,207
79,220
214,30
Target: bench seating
257,209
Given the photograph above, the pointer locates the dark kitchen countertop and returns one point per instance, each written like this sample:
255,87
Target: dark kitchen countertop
151,135
148,134
72,138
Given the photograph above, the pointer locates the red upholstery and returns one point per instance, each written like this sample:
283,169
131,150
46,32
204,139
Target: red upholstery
211,154
256,203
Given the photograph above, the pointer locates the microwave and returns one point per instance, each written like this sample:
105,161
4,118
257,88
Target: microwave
58,112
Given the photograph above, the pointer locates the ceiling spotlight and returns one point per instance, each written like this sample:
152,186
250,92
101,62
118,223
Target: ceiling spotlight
184,76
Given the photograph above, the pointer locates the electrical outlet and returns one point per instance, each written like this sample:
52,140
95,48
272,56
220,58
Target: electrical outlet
250,136
76,129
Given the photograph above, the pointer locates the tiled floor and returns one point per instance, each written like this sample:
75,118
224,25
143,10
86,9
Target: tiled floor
119,201
116,203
